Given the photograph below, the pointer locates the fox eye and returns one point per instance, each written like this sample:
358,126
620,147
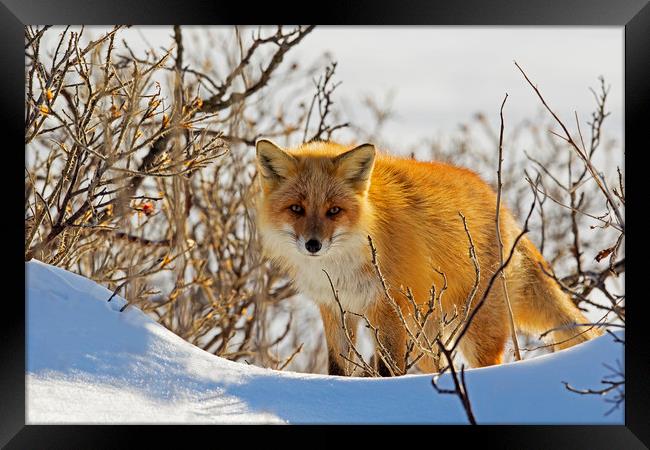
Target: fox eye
297,209
334,210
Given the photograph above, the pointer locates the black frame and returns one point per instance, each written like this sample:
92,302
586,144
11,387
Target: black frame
634,15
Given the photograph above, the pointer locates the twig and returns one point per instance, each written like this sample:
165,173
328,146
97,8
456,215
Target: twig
513,331
460,387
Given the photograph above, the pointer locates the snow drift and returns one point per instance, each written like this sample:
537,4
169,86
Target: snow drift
87,362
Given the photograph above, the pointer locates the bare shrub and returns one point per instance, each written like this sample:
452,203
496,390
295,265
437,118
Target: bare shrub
139,174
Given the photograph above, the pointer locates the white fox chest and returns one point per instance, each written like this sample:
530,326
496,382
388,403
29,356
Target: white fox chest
357,289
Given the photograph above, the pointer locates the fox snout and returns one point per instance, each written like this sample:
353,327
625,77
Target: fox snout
313,245
313,232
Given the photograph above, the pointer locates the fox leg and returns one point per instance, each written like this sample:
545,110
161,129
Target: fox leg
485,347
485,340
337,342
391,336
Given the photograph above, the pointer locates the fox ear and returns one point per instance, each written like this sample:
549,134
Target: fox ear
356,165
274,163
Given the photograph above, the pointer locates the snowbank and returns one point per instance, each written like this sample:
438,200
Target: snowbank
87,362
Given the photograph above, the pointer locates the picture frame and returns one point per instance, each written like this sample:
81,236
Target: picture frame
633,15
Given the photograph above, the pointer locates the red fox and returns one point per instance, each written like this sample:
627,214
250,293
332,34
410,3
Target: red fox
320,202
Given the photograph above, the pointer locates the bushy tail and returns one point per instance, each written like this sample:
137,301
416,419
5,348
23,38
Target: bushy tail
540,305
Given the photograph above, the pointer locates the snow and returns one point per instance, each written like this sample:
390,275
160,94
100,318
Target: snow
87,362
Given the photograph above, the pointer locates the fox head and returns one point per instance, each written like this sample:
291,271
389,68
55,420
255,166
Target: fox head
313,198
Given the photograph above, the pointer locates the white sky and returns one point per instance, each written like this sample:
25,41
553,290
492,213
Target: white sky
442,76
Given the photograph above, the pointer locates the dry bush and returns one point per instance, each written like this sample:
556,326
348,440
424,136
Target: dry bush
139,172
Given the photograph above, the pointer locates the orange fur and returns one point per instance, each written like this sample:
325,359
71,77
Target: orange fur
410,209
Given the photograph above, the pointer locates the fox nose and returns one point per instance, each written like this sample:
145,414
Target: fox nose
313,245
